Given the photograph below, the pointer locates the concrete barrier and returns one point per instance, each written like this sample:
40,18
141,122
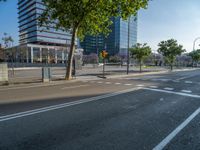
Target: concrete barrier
3,73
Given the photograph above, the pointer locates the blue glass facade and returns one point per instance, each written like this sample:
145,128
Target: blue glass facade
117,41
93,44
31,32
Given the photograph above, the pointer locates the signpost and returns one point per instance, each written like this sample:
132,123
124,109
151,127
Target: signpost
104,54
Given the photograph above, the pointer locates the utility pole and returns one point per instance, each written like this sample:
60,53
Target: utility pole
128,57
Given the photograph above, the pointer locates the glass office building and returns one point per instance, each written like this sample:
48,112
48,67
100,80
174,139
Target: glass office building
41,44
93,44
117,41
31,32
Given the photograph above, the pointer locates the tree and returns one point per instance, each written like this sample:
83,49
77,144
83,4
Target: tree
170,49
82,17
140,52
1,54
195,55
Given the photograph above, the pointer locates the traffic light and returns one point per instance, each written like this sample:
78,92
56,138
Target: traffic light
104,54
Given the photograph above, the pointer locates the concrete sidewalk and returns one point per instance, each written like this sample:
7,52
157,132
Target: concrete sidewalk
91,75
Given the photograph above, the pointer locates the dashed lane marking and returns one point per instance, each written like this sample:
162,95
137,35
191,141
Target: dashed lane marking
188,82
108,82
186,91
128,84
176,81
117,83
169,89
73,87
140,85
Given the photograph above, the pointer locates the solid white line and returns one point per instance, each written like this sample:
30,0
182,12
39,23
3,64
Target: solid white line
168,139
64,105
186,91
172,92
72,87
170,89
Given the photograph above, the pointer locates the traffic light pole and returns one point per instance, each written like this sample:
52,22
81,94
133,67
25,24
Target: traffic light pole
103,67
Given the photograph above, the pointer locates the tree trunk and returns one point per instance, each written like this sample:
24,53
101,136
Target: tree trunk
171,67
71,55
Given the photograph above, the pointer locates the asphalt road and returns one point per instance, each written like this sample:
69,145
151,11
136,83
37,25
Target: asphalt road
133,113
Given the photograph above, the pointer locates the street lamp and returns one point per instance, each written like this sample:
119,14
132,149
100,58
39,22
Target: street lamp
128,57
194,43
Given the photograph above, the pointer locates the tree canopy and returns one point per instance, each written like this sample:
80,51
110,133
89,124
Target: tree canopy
82,17
195,55
140,52
170,49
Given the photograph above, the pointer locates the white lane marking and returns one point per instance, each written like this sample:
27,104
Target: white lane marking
140,85
117,83
186,91
100,82
169,138
73,87
186,77
176,81
163,80
64,105
128,84
108,83
170,89
188,82
154,87
172,92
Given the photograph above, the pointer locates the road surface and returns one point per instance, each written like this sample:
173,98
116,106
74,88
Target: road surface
132,113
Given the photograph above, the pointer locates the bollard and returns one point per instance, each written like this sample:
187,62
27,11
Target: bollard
46,74
3,74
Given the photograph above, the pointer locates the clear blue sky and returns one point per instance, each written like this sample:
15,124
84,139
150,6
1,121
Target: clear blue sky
164,19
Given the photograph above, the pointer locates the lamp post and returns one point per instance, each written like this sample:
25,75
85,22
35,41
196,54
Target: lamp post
194,43
128,57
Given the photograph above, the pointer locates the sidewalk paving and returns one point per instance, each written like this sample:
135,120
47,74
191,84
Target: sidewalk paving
34,77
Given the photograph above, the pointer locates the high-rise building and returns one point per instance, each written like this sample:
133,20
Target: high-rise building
93,44
117,41
42,44
31,32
